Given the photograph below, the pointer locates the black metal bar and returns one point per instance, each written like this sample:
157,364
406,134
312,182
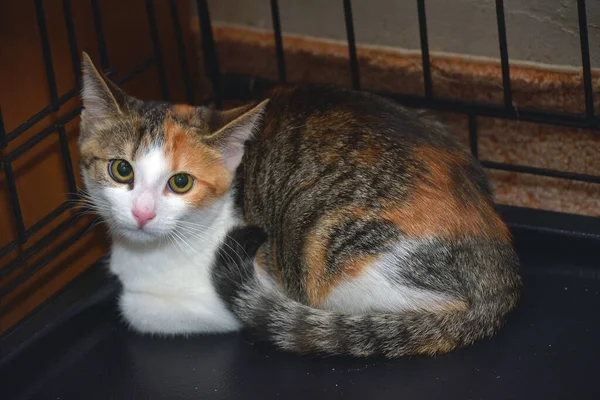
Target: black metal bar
544,229
428,85
43,113
550,221
278,41
67,161
44,242
51,216
73,48
3,138
209,51
12,285
542,172
39,225
239,84
585,60
496,111
37,117
40,115
135,71
504,55
473,140
351,44
8,248
160,67
104,61
185,71
50,77
30,143
13,195
42,134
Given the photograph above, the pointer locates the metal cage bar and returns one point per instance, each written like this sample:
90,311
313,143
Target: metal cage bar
209,50
3,138
49,67
61,247
72,38
585,60
13,195
502,42
185,71
495,111
551,173
67,161
281,72
97,16
160,67
427,83
473,139
349,21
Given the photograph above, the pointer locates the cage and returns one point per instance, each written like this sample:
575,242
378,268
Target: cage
534,127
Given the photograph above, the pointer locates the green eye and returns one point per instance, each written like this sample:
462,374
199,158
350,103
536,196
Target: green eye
121,171
180,183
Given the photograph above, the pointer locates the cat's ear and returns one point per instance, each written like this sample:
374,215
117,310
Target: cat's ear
232,128
102,99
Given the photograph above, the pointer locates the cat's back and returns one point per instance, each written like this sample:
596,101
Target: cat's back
332,156
317,110
361,146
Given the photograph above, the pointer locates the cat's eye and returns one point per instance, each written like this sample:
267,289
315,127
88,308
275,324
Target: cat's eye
181,183
121,171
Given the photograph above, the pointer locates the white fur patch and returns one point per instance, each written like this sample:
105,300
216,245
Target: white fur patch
375,289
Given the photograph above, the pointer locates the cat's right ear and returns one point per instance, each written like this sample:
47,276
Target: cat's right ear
102,99
232,129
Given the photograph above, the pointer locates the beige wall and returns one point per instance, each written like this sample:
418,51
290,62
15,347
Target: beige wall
544,31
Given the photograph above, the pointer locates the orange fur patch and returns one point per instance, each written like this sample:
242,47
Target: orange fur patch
184,110
260,259
318,283
434,210
369,156
265,261
438,347
187,154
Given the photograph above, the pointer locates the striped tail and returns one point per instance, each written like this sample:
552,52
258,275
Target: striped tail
295,327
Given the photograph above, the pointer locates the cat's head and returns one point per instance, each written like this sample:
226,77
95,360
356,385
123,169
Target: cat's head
151,167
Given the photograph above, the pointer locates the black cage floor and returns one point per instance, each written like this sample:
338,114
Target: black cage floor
550,349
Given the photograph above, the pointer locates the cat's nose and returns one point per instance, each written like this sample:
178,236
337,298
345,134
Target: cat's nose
143,216
144,209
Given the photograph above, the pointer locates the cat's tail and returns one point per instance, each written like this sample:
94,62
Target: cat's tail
295,327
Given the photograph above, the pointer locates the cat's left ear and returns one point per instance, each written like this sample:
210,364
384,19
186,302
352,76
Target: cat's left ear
232,128
103,101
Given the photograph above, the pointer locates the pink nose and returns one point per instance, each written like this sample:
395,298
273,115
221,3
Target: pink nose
143,216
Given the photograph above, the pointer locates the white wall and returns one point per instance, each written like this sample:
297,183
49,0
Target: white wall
543,31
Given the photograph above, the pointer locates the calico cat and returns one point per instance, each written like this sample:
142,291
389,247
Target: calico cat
331,221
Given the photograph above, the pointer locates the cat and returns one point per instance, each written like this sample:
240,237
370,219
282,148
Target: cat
328,220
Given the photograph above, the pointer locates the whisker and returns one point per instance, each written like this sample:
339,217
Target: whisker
231,261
